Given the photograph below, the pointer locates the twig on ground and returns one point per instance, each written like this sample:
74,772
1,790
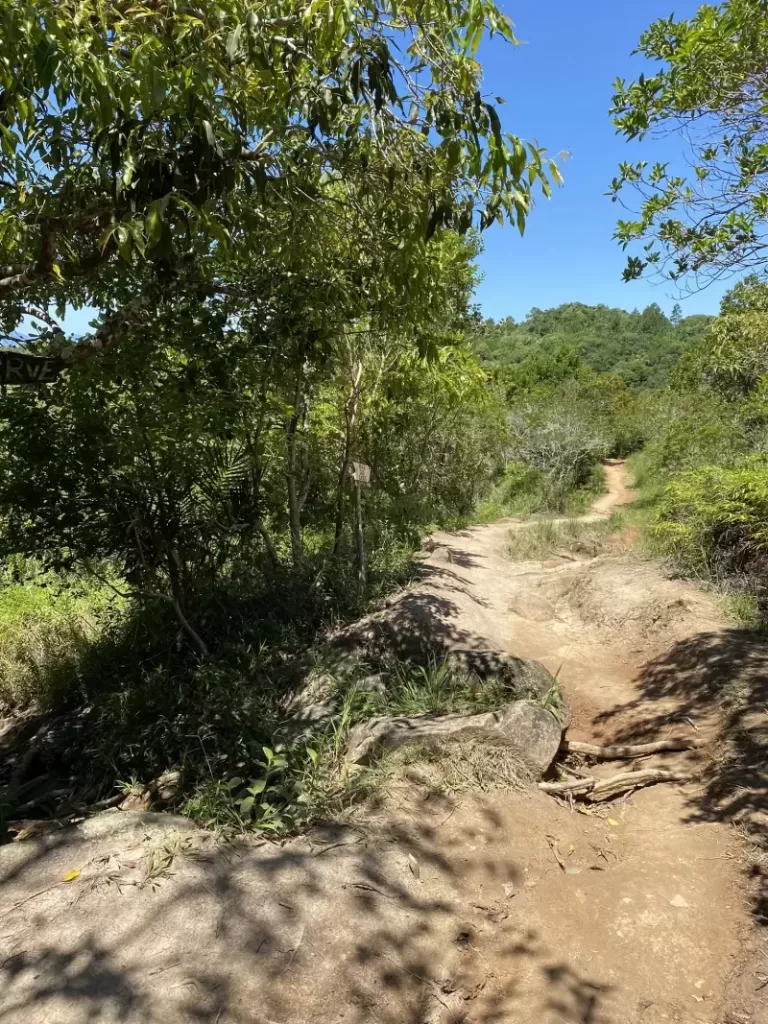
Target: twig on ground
605,789
576,786
553,845
367,888
41,801
575,771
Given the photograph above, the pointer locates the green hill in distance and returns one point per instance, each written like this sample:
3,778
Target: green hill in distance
640,348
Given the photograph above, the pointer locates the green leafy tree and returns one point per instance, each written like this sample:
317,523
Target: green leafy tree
732,357
135,138
711,88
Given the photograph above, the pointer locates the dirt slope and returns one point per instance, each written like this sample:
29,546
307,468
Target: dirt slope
434,909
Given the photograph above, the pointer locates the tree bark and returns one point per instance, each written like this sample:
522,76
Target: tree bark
350,420
197,641
269,545
361,567
294,500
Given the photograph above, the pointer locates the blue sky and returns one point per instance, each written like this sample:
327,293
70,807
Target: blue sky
558,88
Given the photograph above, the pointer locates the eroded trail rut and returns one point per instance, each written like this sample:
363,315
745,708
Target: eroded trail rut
436,909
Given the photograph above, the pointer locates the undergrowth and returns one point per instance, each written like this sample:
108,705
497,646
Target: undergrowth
131,701
48,624
708,522
545,538
437,688
522,492
304,778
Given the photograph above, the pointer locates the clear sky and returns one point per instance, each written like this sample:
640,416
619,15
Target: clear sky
558,88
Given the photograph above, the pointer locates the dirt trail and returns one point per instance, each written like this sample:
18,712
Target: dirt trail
438,909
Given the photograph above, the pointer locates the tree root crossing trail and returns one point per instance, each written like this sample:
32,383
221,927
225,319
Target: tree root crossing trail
488,905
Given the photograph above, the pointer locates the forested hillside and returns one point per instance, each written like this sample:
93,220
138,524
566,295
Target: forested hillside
640,348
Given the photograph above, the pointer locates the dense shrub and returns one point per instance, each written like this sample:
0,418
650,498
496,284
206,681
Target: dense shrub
714,521
686,431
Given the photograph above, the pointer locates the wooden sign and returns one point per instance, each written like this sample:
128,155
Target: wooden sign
20,368
361,473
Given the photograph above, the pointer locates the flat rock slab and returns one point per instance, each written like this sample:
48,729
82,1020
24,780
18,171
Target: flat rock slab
526,729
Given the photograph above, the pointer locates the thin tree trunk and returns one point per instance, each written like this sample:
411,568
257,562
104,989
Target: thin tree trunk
350,420
173,573
294,502
362,572
269,545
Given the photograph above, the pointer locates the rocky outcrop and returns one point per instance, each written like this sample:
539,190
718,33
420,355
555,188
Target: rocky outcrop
525,728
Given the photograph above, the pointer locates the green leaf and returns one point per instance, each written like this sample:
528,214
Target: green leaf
157,86
495,122
233,42
153,223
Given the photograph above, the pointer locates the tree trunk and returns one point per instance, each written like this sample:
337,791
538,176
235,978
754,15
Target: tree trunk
294,500
350,420
361,569
269,545
173,572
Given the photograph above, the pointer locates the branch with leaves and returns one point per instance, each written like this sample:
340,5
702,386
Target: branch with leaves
711,91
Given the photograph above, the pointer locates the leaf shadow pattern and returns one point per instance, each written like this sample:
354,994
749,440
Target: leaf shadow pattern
725,672
313,929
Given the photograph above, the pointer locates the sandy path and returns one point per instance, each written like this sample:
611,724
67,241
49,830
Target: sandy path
617,489
436,908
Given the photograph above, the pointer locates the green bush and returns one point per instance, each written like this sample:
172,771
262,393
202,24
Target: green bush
714,522
705,434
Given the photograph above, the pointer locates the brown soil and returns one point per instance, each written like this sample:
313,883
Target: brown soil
437,908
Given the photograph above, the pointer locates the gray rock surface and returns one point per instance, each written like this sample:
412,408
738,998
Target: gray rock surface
528,730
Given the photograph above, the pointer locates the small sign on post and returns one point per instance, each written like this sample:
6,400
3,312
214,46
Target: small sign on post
361,474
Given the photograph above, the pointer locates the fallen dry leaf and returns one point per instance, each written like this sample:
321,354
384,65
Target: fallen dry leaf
71,875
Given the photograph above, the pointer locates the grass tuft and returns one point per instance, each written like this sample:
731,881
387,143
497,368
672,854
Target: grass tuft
48,624
545,538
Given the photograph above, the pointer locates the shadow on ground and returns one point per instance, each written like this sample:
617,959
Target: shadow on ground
725,671
360,926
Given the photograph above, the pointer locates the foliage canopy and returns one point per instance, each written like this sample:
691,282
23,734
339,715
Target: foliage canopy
712,90
139,140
